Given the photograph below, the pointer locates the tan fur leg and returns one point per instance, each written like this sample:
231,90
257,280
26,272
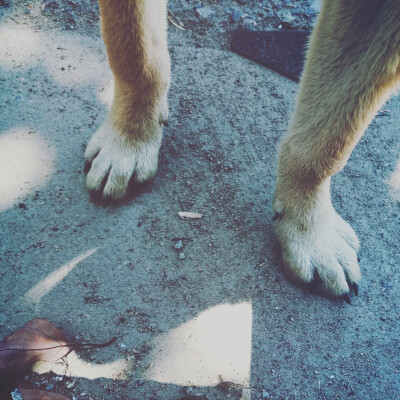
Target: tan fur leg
352,67
127,144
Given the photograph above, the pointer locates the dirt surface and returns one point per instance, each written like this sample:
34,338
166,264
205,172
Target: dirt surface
200,307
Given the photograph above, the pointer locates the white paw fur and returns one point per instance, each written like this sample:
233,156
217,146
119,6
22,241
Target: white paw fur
121,157
326,246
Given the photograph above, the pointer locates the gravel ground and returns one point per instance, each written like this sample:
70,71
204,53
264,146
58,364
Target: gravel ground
200,307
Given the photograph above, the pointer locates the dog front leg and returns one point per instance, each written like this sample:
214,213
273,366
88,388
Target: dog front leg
126,145
352,67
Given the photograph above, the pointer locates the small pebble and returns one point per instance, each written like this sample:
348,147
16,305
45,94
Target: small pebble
182,256
70,385
249,21
265,394
236,15
178,245
204,12
16,395
50,386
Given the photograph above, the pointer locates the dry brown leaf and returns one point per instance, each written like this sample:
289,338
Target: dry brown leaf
35,394
190,215
37,340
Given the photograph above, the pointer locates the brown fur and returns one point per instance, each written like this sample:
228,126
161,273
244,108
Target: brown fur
353,63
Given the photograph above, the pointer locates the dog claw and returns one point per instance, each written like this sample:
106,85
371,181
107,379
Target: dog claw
346,298
277,216
87,166
355,288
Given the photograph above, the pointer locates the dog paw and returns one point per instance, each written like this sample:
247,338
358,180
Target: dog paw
112,160
322,255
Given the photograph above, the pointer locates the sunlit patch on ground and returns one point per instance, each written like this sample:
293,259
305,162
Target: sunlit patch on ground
18,45
73,366
47,284
65,55
26,164
213,346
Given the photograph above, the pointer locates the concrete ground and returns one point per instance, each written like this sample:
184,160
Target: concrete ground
216,318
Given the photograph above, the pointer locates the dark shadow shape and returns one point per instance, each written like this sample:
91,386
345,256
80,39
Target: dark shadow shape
282,51
135,189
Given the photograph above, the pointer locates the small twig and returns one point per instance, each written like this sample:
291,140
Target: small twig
228,385
72,345
276,15
177,24
35,244
181,238
12,19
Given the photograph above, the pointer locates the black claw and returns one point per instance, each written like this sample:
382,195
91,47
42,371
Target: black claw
164,122
277,215
352,285
87,166
106,201
97,195
346,298
358,259
315,283
355,288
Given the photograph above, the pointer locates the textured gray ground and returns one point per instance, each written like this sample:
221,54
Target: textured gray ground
218,158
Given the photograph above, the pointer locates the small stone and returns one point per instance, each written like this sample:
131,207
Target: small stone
178,245
50,386
194,392
249,21
16,395
265,394
236,15
204,12
182,256
70,385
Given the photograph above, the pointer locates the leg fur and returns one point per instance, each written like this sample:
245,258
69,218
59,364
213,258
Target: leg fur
352,66
127,144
